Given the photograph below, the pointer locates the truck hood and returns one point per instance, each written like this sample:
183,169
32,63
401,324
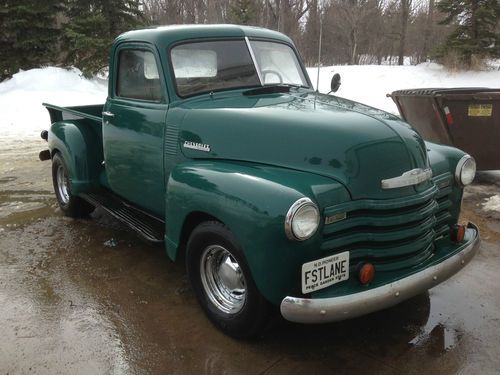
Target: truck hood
354,144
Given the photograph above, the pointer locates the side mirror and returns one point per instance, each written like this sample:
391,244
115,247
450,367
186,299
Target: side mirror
335,84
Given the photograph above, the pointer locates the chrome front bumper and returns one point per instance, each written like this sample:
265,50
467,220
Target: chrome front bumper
322,310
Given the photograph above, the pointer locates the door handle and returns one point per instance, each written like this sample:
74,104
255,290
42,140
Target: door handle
108,115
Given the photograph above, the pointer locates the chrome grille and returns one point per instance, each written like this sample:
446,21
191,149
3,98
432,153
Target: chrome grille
392,234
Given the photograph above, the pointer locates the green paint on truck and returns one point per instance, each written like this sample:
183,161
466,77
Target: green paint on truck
214,135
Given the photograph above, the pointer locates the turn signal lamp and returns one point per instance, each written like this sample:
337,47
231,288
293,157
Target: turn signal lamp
457,233
366,273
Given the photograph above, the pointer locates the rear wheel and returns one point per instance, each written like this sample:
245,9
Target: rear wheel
222,281
70,204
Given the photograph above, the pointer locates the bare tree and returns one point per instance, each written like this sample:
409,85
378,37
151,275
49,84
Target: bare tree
428,29
354,31
405,16
350,24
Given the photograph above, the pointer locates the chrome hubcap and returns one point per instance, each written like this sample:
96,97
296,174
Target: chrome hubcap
62,185
222,279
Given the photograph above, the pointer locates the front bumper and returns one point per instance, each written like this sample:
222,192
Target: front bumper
322,310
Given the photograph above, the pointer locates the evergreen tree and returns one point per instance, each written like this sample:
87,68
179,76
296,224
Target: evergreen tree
91,27
30,34
476,32
242,12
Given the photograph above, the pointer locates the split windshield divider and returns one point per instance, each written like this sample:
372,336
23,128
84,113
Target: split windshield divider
252,55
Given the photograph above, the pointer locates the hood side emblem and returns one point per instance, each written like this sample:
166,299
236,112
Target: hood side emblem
409,178
196,146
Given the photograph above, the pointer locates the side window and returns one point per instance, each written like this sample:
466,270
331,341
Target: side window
138,76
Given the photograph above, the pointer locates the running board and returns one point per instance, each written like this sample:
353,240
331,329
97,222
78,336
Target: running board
147,226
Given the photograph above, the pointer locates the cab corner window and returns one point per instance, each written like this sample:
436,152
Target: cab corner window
138,76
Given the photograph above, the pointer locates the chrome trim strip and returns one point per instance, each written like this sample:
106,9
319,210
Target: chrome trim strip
322,310
254,61
413,177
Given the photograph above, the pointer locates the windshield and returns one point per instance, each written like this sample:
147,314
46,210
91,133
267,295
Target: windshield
227,64
278,63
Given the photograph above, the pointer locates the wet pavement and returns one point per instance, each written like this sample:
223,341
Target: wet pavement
89,297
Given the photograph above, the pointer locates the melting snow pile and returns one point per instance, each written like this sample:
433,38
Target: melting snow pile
369,84
21,98
492,203
23,116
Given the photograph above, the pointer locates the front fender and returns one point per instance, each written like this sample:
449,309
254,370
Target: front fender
443,161
252,201
443,158
81,149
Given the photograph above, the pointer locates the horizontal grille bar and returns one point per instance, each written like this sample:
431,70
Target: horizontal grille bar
377,234
394,233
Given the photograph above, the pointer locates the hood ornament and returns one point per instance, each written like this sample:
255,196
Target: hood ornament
409,178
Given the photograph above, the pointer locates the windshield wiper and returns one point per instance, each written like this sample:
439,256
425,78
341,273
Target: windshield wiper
272,89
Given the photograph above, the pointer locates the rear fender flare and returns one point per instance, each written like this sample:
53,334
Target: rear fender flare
81,149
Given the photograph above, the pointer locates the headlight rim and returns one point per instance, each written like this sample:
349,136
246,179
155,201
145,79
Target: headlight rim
458,170
292,211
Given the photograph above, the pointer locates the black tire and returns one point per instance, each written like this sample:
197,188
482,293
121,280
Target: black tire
70,204
208,242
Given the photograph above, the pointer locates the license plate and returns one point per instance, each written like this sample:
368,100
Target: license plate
324,272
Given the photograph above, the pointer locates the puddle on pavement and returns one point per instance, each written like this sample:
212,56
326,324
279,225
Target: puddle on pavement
88,296
439,337
133,295
132,305
17,207
7,179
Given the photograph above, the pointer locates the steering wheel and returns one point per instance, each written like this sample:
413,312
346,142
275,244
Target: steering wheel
264,72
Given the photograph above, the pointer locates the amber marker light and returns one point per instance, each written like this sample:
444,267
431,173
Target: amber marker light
457,233
366,273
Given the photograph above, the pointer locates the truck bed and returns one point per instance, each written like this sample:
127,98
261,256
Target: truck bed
90,112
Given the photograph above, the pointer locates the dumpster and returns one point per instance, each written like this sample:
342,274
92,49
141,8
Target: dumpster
466,118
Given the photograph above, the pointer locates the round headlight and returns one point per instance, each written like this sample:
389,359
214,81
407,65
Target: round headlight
466,170
302,220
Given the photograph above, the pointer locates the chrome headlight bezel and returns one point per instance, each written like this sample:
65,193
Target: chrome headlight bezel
292,214
465,162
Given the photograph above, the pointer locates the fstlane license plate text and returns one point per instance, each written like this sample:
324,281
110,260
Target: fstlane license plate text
324,272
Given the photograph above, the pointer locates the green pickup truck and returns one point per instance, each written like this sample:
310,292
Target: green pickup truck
213,141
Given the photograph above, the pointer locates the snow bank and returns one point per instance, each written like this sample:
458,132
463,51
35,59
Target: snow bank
22,113
369,84
492,203
21,98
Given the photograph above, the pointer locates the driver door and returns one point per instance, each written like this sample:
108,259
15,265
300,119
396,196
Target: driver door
134,126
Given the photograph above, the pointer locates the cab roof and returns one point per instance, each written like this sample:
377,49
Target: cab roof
166,35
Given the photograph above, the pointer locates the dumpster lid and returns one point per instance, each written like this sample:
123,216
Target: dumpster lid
442,91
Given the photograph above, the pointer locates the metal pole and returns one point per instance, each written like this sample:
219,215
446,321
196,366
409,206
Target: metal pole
319,49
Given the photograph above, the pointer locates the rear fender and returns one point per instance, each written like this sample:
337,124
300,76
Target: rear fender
81,149
252,201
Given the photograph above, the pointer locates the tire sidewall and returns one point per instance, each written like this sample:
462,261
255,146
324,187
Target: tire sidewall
76,207
247,321
58,161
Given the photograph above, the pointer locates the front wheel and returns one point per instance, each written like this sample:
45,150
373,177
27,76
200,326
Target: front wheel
222,281
70,204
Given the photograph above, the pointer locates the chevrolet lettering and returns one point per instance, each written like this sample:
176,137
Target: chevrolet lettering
197,146
278,199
